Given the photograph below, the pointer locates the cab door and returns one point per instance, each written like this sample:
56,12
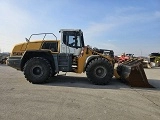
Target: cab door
72,42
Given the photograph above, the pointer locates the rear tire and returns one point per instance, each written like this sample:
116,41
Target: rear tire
37,70
99,71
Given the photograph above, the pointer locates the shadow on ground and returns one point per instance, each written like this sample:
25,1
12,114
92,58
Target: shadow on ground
83,82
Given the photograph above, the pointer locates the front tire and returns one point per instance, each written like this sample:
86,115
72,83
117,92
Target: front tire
99,71
37,70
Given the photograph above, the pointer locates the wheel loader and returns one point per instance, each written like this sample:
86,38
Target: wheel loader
155,59
42,59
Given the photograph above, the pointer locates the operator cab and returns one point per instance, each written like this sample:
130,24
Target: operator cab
71,41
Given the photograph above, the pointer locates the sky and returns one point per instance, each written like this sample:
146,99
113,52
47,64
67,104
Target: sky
130,26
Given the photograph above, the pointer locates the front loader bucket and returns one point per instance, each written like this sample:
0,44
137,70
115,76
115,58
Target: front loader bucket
132,73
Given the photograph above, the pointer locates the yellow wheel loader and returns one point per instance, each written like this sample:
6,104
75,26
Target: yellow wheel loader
41,59
155,59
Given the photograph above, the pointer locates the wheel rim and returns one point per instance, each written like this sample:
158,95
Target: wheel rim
100,72
37,71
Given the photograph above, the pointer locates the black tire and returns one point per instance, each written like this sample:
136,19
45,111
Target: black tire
99,71
37,70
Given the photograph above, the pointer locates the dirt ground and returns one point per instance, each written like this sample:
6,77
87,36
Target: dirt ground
73,97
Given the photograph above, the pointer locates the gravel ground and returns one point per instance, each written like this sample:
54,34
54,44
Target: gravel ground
73,97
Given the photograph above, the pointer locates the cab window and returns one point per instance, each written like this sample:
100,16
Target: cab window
72,39
53,46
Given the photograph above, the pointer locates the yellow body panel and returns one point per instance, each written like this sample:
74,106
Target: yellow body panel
82,60
116,74
34,45
19,49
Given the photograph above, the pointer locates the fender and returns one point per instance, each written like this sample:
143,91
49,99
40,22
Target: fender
37,53
88,60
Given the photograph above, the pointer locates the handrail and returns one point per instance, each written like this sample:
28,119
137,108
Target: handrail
44,35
